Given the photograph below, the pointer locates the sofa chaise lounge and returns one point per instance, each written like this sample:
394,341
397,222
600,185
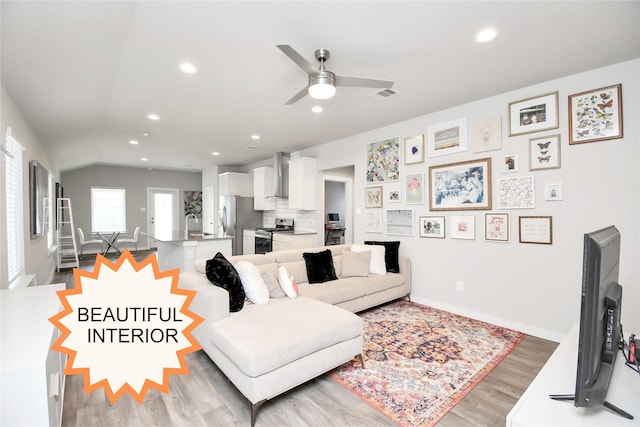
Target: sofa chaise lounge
267,349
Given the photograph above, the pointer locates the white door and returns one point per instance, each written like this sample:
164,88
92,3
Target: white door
162,212
208,212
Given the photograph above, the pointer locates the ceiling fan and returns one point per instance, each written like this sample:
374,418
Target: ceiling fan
322,83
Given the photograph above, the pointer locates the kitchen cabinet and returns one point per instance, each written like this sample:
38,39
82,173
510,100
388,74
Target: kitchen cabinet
233,184
262,189
303,183
284,241
248,242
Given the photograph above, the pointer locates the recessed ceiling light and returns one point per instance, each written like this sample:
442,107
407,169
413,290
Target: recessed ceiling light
317,109
188,68
153,116
215,153
144,159
133,142
145,133
486,35
256,137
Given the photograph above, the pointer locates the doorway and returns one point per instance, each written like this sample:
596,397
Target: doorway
162,212
338,198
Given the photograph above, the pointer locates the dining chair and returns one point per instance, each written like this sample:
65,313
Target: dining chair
84,242
133,240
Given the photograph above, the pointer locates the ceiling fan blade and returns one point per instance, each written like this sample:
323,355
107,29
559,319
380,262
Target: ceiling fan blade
298,96
297,58
360,82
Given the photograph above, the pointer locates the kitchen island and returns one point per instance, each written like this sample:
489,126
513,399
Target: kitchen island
177,250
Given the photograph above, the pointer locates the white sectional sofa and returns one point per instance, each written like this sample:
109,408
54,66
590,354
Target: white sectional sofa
267,349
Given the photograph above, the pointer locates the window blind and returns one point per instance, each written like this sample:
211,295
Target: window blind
13,206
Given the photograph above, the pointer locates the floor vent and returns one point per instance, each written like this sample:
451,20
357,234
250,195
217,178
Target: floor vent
384,93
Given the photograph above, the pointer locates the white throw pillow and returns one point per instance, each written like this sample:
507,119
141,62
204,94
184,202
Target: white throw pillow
287,282
252,282
377,264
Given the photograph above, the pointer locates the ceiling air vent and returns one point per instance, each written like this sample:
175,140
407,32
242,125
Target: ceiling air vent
384,93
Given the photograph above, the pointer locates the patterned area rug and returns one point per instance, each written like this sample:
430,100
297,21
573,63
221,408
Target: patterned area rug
420,361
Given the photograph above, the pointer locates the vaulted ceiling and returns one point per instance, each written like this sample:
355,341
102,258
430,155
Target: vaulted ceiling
86,74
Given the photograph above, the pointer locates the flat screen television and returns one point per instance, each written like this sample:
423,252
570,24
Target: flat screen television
599,337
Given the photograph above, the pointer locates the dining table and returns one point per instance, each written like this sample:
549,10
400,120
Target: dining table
110,239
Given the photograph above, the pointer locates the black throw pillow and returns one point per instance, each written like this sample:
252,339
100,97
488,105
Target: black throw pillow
391,250
320,267
223,274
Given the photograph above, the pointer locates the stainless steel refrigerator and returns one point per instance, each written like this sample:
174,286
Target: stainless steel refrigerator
236,214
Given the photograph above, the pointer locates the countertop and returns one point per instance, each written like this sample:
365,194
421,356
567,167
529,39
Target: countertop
296,233
178,236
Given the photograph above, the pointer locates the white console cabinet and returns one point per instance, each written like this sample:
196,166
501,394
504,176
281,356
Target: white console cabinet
303,183
558,376
32,373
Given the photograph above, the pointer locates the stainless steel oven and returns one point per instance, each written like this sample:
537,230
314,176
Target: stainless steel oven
264,236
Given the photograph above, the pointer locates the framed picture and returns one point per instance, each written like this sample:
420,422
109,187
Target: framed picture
383,161
535,229
463,227
394,195
414,149
447,138
544,152
595,115
516,193
496,227
373,197
414,188
510,163
487,135
460,186
533,114
400,222
373,221
431,226
553,191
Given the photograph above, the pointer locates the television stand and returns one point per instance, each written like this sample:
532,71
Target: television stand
559,373
610,406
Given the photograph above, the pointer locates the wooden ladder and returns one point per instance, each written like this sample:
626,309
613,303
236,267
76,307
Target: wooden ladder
67,247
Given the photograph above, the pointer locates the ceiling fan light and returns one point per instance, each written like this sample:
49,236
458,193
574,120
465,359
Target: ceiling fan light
323,85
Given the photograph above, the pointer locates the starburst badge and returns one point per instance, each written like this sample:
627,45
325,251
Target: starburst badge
126,327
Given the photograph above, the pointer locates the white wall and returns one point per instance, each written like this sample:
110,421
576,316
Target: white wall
533,288
38,261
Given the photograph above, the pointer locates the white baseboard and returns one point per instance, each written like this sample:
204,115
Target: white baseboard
506,323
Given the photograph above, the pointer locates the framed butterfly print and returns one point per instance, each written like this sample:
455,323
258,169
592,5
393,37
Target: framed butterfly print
373,197
544,153
533,114
595,115
414,149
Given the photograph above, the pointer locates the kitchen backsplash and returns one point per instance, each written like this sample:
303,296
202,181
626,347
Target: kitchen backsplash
303,220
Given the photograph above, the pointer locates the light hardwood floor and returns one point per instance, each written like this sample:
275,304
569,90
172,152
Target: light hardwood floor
206,398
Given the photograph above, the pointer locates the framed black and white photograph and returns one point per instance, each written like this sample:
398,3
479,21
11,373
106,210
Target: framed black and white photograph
533,114
399,222
553,191
463,227
431,226
394,195
447,138
544,152
460,186
595,115
414,149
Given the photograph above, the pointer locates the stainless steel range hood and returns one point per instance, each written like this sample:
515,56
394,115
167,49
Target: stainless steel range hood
280,175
